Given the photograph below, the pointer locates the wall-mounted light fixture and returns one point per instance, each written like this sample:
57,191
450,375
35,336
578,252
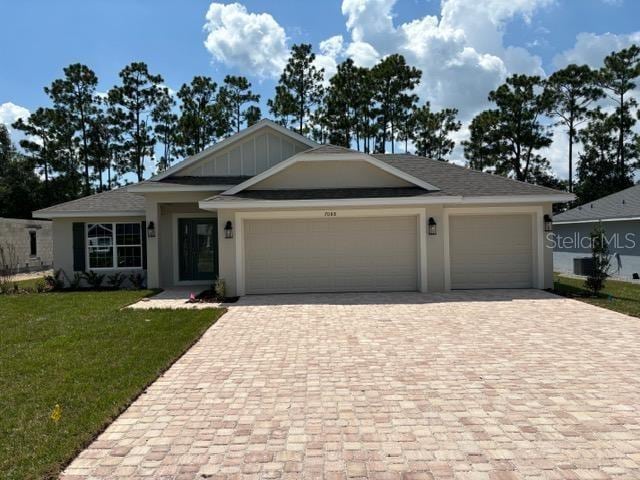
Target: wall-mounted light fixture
548,223
151,230
228,229
433,227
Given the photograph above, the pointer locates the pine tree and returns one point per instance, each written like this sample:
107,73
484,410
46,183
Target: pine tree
482,149
75,95
617,77
299,89
234,94
202,118
519,132
432,130
132,103
165,127
572,90
393,82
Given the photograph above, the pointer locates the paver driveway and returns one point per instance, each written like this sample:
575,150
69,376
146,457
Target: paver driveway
482,385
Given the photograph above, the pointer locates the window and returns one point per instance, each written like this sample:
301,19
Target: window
33,243
114,245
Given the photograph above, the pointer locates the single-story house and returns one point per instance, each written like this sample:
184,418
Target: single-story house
270,211
27,245
620,217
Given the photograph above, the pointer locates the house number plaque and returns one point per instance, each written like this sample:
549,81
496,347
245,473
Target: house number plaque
330,213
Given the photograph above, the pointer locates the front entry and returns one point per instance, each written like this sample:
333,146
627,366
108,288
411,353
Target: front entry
198,247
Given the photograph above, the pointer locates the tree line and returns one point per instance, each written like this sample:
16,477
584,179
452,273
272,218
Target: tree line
86,141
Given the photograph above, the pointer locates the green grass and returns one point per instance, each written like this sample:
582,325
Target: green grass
623,297
78,350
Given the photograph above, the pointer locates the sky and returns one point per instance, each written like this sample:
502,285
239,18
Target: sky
465,48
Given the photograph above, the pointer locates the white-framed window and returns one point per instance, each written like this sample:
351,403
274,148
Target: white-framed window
114,245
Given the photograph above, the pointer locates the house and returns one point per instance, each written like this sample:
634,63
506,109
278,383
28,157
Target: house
270,211
620,217
27,244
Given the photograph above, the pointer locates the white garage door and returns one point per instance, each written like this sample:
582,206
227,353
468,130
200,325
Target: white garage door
331,255
491,251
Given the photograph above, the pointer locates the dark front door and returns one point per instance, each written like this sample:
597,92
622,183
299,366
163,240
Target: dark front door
198,244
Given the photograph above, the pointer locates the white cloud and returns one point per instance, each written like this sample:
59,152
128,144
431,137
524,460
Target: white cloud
591,48
253,42
363,54
9,113
330,50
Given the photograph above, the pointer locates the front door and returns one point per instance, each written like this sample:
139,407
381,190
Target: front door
198,245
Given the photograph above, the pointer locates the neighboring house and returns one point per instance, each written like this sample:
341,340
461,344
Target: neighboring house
29,241
620,217
270,211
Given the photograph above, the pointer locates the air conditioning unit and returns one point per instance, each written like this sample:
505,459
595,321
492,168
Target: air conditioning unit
583,266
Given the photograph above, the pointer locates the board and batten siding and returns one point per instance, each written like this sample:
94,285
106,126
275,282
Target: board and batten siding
253,156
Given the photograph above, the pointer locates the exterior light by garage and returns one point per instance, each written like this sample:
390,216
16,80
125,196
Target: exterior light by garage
433,227
228,229
548,223
151,230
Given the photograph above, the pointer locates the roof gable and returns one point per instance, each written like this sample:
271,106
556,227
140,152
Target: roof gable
329,166
246,153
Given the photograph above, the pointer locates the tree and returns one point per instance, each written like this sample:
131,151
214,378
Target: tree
393,80
75,95
132,103
617,77
519,133
601,260
432,129
341,104
571,91
201,121
252,115
598,172
299,88
165,127
235,93
482,147
20,187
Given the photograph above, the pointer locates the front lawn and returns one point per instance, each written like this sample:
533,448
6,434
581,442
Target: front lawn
623,297
79,351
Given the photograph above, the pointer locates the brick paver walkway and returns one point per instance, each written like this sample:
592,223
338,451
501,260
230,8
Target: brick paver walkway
482,385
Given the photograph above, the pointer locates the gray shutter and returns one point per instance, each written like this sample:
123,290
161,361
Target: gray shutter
144,244
78,247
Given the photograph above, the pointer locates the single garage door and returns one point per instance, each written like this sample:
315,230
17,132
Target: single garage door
491,251
331,255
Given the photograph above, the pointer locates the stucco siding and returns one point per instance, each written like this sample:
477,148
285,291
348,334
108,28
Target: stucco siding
63,243
330,174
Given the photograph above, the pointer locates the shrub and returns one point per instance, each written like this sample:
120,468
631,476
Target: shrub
8,262
74,283
601,260
93,279
137,280
40,286
116,280
55,281
220,288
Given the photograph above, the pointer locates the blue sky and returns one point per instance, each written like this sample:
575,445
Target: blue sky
464,47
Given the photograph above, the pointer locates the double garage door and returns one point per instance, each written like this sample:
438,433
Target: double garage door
382,253
331,255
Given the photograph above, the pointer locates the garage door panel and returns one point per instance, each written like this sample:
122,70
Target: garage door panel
327,255
491,251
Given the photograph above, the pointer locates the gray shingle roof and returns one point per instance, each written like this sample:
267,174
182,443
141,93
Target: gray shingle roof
118,200
623,204
456,180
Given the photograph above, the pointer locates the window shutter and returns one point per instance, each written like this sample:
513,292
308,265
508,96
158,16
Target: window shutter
144,244
78,247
